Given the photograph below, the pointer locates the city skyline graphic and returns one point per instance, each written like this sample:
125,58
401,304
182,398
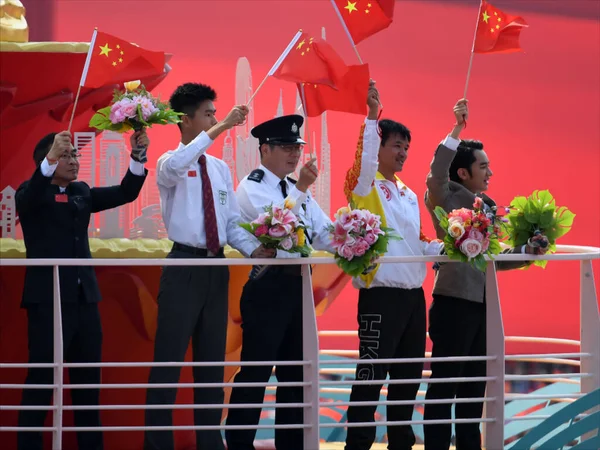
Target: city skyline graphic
105,160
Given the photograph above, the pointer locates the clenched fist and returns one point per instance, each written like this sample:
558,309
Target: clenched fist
461,111
139,146
237,116
60,146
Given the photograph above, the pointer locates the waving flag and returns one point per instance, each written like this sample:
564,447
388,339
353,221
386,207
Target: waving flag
497,32
364,18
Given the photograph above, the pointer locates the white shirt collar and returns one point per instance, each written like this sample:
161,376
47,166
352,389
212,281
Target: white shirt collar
270,178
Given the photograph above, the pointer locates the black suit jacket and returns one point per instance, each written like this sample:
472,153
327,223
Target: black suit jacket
55,227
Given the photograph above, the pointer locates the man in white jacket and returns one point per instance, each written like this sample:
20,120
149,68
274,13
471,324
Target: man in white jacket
391,302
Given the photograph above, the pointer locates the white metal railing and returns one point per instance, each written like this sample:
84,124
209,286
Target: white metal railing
495,396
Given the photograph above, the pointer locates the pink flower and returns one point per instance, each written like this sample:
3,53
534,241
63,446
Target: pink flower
287,243
281,216
147,105
478,204
371,237
261,230
261,219
475,235
346,252
278,231
470,248
485,244
360,247
123,109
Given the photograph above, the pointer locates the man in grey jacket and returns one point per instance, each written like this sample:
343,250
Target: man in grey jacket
460,172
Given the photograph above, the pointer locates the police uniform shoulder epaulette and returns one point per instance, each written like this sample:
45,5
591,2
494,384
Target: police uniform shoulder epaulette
256,175
291,180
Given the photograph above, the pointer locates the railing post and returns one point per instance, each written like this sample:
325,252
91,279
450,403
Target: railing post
310,347
58,365
590,330
494,431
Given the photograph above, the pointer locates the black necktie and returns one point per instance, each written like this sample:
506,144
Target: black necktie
283,185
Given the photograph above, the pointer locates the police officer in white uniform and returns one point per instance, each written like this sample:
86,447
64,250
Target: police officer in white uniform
271,306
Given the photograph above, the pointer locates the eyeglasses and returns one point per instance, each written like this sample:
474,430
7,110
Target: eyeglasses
291,148
68,156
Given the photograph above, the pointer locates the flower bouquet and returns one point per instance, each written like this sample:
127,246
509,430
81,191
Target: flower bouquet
359,239
471,234
534,215
133,109
278,228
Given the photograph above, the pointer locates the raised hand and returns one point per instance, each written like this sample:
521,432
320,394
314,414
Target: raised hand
237,116
60,146
308,175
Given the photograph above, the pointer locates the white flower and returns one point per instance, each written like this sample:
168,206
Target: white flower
456,230
470,248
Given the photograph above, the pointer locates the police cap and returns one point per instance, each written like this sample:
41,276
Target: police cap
282,130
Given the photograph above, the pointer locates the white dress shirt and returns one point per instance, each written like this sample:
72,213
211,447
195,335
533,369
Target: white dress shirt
180,186
401,209
254,196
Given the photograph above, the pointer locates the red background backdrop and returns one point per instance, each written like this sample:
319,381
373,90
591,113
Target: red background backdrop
536,112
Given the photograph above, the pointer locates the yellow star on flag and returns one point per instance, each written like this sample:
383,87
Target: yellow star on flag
301,44
104,50
350,7
485,17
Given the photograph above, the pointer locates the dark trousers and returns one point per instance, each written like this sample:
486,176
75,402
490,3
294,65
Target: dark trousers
456,328
391,324
192,302
271,310
82,342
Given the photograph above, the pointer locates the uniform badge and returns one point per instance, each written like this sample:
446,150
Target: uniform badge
191,173
223,197
61,198
386,192
294,128
256,175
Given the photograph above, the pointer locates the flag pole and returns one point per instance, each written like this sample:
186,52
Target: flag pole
310,149
472,50
86,68
339,14
286,52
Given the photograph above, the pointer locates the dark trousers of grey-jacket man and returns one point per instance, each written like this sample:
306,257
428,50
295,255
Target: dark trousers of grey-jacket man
457,320
192,301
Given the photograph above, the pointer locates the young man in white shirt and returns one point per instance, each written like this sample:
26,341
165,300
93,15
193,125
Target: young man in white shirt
271,305
201,215
391,302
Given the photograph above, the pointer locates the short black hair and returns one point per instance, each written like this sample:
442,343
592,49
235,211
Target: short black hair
389,127
187,97
464,158
42,148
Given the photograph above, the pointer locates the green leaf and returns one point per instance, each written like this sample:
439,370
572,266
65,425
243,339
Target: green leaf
519,203
532,213
479,263
545,198
546,217
564,217
440,213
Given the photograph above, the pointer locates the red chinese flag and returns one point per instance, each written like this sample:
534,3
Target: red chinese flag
497,32
312,61
350,97
113,60
364,18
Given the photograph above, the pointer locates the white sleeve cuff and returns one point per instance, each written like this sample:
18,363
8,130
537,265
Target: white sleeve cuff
202,139
451,143
370,122
136,168
47,169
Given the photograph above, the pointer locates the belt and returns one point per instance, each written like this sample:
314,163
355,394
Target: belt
203,252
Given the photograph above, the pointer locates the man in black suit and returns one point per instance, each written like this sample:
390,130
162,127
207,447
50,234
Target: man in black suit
54,211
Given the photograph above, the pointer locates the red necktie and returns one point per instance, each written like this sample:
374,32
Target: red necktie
210,217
